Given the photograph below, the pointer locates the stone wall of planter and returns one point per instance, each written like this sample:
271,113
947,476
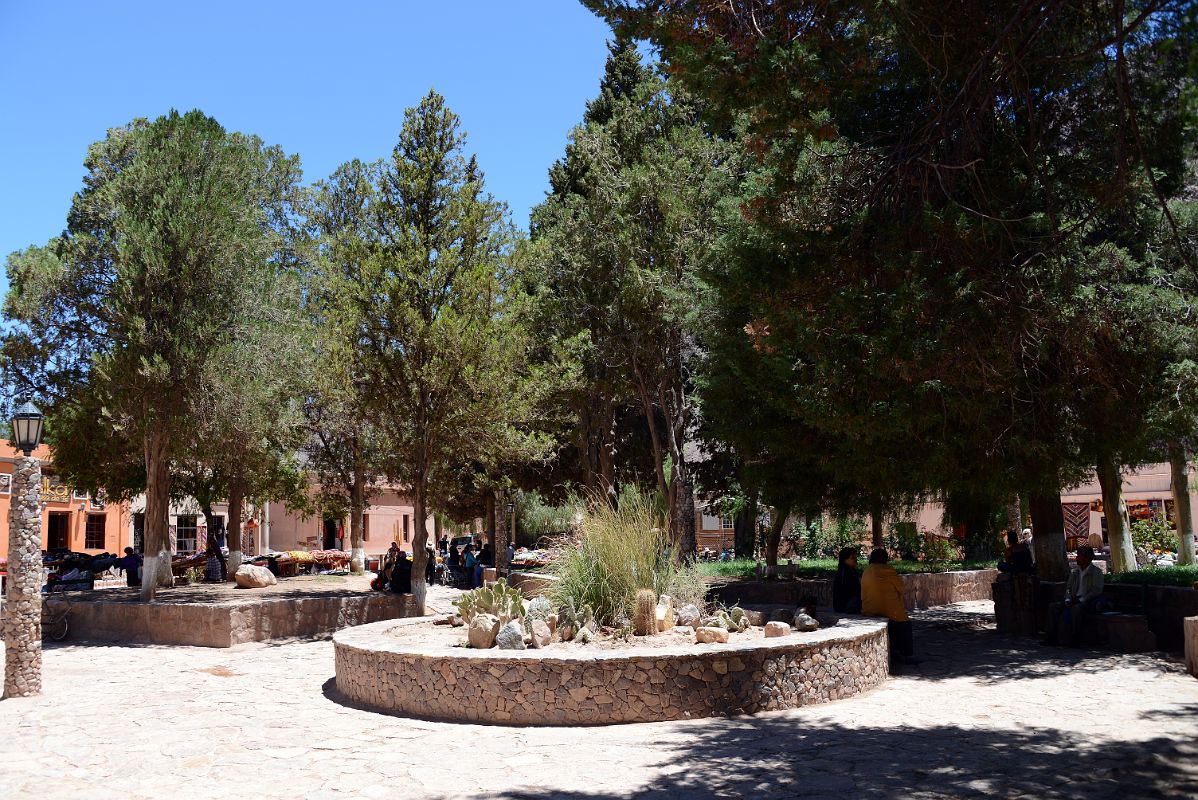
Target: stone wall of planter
923,590
224,624
1191,645
379,670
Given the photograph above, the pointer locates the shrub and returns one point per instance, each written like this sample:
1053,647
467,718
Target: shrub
1158,576
501,600
1153,535
615,552
826,541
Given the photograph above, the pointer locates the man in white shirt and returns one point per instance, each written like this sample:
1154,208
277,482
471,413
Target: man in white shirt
1081,596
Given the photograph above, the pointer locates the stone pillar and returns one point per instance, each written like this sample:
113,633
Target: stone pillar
23,616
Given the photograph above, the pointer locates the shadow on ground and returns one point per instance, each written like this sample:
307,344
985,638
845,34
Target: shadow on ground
795,758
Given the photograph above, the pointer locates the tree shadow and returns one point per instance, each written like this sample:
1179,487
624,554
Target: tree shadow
780,756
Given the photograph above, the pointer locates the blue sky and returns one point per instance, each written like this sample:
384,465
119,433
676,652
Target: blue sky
329,81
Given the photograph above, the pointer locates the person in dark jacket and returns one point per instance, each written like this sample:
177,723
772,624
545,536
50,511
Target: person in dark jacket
846,586
401,574
1017,560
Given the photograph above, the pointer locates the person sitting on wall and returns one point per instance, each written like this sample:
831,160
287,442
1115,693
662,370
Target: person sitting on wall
401,574
389,559
1017,559
846,585
882,596
1082,594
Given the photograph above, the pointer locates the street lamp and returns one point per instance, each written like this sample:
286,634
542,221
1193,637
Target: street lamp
23,618
511,510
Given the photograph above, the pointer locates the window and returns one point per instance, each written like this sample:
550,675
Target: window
366,527
711,522
726,521
139,532
407,535
185,534
93,538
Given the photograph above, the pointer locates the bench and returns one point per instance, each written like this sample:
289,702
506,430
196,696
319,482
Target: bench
1125,633
789,571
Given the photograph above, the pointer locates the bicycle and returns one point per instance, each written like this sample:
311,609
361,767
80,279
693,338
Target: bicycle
55,623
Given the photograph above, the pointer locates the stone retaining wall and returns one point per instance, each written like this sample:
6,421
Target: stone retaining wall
531,584
541,687
1191,646
923,590
227,624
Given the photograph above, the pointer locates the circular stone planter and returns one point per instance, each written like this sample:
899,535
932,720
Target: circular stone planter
548,687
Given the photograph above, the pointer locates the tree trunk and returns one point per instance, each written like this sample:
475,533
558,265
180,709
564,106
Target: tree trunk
1180,471
744,526
877,518
774,537
357,506
233,534
490,506
156,568
1014,514
1123,554
438,528
419,540
23,615
682,517
1048,537
501,532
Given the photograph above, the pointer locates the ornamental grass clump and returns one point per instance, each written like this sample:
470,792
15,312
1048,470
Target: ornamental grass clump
613,553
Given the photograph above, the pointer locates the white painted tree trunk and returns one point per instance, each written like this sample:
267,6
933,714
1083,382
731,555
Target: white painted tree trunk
357,560
1123,553
235,559
1179,467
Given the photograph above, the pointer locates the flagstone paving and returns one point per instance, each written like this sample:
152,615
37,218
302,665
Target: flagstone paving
983,715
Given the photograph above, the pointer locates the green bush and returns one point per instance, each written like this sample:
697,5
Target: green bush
615,552
818,540
1153,535
1158,576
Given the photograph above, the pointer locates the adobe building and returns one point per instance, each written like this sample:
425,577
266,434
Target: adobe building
71,520
389,517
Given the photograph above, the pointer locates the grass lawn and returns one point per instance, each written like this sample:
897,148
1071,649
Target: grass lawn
826,567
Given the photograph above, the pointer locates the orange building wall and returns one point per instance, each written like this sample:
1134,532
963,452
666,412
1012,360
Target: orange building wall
117,520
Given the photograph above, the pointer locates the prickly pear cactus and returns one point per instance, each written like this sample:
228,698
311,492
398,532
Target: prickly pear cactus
501,600
738,618
538,608
644,620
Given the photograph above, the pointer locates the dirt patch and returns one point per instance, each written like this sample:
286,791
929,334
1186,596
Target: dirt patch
220,671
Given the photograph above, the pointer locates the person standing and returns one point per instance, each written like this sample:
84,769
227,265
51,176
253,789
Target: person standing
882,596
131,564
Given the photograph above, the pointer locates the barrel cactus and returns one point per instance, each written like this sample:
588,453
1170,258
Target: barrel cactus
644,620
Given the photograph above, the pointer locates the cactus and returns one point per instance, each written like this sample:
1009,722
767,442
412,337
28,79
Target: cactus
501,600
738,618
644,620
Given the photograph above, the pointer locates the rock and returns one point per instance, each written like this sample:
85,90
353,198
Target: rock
804,622
248,576
665,613
773,629
483,629
711,636
510,636
540,633
456,621
781,615
689,615
755,617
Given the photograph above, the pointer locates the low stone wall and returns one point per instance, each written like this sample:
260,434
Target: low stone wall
224,624
600,687
1191,637
531,584
1166,607
923,590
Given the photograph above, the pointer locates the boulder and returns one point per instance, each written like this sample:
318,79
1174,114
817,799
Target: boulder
510,636
249,576
805,622
540,632
689,615
482,631
665,613
773,629
711,636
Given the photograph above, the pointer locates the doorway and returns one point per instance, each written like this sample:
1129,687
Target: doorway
58,529
330,534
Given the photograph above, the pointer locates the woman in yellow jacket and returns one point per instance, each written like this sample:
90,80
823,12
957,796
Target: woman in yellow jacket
882,596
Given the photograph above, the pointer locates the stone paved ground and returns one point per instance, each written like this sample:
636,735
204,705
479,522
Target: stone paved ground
982,716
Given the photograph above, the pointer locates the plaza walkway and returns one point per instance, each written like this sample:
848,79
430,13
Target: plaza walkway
982,716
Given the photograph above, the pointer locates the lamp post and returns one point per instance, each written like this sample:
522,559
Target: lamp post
23,617
511,510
